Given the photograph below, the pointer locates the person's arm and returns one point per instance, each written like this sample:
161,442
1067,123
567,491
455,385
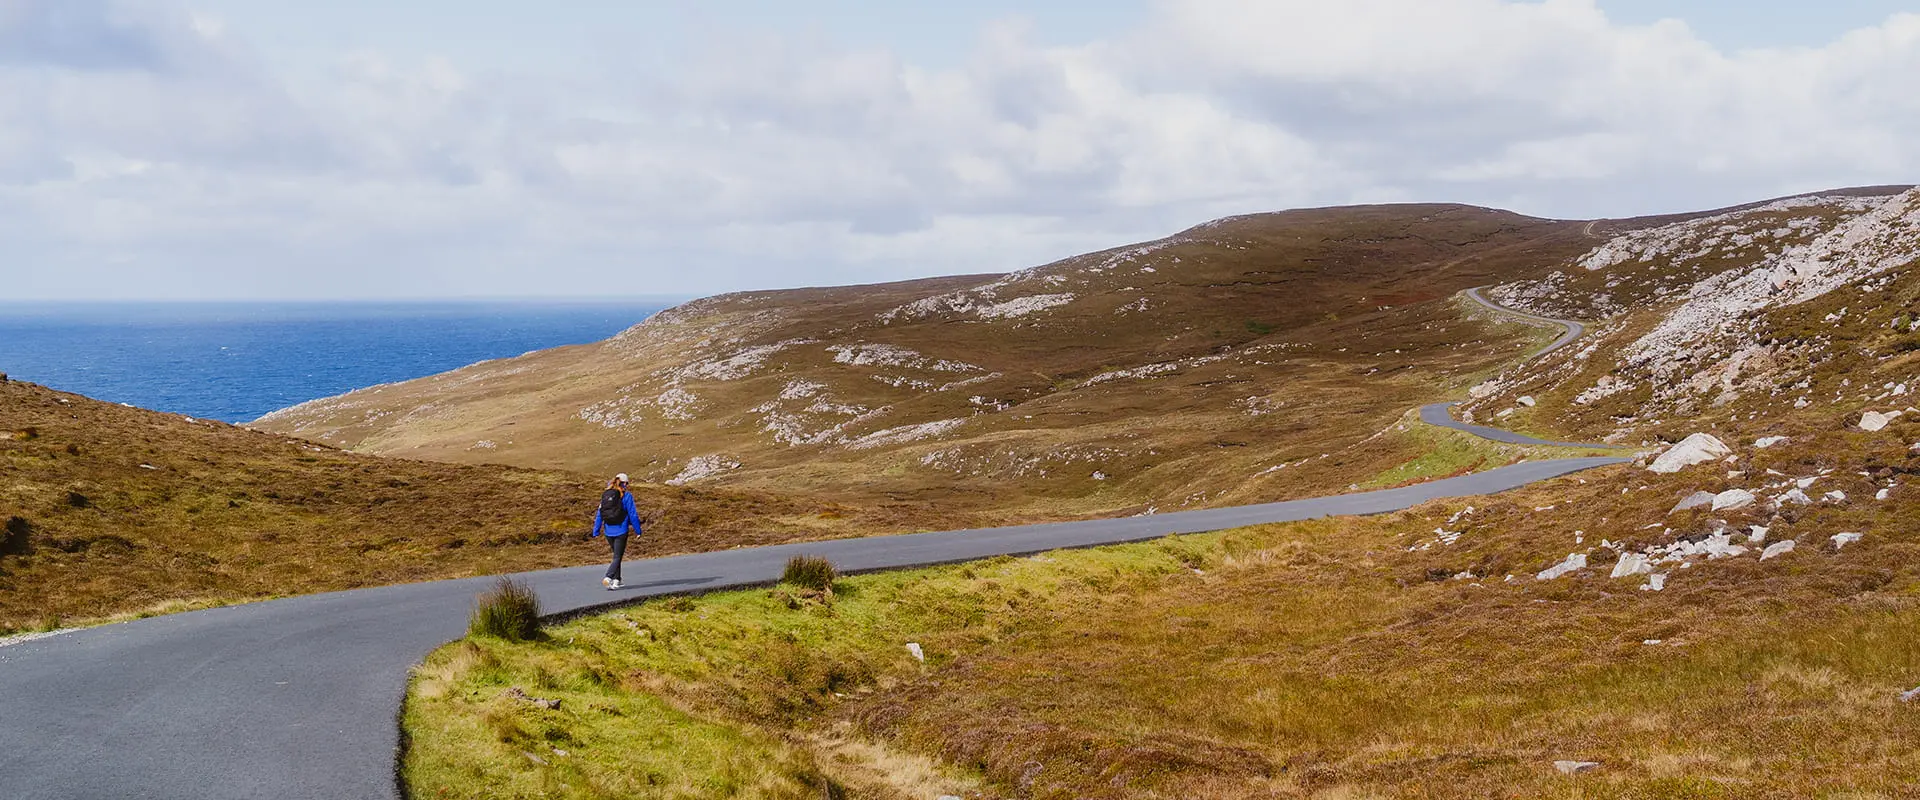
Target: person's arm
633,514
598,525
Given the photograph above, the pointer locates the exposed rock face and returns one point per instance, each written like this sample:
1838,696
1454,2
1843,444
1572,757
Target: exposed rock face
1699,448
1874,420
1574,561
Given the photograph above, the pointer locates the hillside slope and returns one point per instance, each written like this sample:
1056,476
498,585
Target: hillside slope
111,509
1249,358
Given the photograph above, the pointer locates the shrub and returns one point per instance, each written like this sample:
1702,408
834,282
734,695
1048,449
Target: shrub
810,572
509,611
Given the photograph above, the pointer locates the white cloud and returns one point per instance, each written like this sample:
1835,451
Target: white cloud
154,153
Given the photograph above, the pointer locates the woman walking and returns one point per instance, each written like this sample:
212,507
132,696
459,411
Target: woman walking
615,517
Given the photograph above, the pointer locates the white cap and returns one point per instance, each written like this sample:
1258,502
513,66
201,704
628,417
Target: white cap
622,477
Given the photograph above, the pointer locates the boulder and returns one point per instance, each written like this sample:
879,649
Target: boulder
1910,695
1758,535
1695,500
1882,494
918,654
1793,498
1574,561
1699,448
1874,420
1732,500
1765,442
1575,767
1655,582
1720,545
1843,539
1777,548
1526,400
1835,496
1631,564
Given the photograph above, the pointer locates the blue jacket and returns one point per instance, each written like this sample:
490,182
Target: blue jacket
633,519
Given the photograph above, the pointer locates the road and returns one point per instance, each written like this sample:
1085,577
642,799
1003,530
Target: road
297,698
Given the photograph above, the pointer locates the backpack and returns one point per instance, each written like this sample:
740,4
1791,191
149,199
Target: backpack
613,509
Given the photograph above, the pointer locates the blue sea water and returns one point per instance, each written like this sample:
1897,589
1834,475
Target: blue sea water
234,362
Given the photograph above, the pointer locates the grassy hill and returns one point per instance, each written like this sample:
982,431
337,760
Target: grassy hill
1605,635
113,510
1249,358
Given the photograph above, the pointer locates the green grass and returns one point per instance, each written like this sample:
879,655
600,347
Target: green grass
510,611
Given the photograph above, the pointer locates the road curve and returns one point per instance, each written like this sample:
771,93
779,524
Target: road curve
297,698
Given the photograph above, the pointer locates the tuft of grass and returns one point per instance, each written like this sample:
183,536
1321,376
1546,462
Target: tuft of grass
510,611
810,572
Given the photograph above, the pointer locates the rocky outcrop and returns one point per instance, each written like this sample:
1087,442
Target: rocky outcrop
1700,448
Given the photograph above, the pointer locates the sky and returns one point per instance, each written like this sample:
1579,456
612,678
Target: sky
258,149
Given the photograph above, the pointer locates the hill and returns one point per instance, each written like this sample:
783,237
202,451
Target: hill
1735,616
111,510
1248,358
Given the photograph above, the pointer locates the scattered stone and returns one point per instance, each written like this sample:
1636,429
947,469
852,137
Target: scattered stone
148,466
1765,442
1631,564
1699,448
1777,548
1882,494
1695,500
1732,500
1758,534
1575,767
1720,545
1574,561
1525,400
1910,695
1655,582
1795,497
1874,420
1841,540
1835,496
515,693
918,654
1650,641
533,758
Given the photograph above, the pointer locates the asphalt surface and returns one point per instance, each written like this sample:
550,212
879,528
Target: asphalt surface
298,698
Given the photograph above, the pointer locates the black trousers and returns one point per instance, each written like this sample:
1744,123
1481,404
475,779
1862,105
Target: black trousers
619,545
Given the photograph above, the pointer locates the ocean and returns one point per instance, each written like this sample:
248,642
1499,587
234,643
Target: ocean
236,361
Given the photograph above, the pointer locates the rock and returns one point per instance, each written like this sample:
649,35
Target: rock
1695,500
547,704
1525,400
1503,413
1765,442
1882,494
1655,582
1574,561
1732,500
1843,539
1758,535
1910,695
1835,496
1575,767
948,797
1795,497
1874,420
1699,448
1631,564
533,758
918,654
1777,548
1720,545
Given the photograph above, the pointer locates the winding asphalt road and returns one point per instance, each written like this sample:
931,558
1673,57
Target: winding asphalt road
297,698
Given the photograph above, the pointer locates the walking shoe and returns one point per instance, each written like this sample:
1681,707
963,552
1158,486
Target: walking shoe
616,584
607,582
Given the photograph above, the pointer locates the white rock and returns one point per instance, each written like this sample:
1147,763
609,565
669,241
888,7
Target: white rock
1835,496
1882,494
1695,500
1720,545
1910,695
1699,448
1575,767
1503,413
1843,539
1777,548
1525,400
1655,582
1795,497
1765,442
1631,564
1806,483
1758,534
1574,561
918,654
1732,500
1874,420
